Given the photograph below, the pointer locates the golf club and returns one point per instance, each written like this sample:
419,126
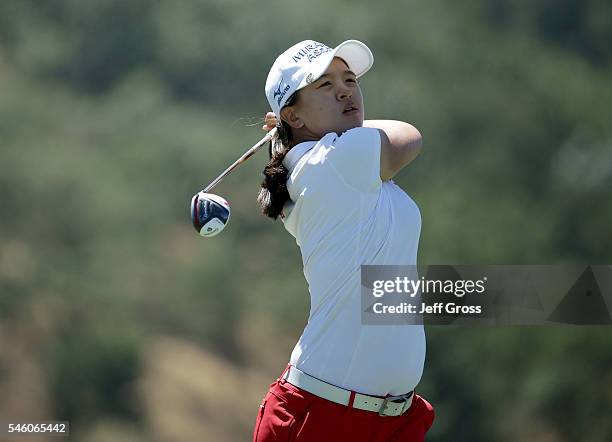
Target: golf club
210,213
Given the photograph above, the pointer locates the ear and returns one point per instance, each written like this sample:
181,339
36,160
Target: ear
288,115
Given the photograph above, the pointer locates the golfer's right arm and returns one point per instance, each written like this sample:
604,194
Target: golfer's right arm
400,143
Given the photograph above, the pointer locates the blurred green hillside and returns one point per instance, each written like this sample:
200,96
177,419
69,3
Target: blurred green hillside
115,315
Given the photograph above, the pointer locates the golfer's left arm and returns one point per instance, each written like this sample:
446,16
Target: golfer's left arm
400,144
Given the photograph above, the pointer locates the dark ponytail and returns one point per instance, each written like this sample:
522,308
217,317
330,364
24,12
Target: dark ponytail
274,194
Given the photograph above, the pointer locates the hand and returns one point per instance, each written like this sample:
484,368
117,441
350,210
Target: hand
269,122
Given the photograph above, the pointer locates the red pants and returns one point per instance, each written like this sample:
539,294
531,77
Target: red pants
288,413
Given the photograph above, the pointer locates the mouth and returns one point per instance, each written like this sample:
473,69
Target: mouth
350,110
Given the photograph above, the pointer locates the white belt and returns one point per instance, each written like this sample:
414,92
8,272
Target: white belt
389,406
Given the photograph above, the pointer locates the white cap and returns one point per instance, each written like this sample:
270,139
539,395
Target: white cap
304,62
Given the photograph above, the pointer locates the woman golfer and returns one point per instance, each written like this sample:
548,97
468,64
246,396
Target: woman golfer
330,180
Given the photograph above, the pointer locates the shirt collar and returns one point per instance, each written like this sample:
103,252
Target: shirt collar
297,152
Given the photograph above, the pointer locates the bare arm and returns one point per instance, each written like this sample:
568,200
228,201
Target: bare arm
400,144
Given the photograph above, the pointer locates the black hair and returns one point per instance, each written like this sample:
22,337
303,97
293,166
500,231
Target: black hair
274,194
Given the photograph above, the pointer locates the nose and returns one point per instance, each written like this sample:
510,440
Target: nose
344,92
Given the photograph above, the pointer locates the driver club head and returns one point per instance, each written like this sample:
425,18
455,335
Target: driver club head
209,213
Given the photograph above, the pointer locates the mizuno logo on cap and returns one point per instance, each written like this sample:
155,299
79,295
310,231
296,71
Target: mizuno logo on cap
280,93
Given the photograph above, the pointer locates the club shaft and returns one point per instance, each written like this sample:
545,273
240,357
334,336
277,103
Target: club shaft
242,159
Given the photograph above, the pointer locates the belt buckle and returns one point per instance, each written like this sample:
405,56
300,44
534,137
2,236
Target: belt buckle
383,408
397,399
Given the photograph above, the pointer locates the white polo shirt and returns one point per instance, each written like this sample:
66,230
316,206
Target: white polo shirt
342,216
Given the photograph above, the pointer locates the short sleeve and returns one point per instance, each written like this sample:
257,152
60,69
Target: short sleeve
356,157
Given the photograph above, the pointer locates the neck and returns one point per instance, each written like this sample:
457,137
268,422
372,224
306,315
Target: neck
304,134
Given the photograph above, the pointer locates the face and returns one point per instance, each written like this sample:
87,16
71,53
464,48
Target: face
333,103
